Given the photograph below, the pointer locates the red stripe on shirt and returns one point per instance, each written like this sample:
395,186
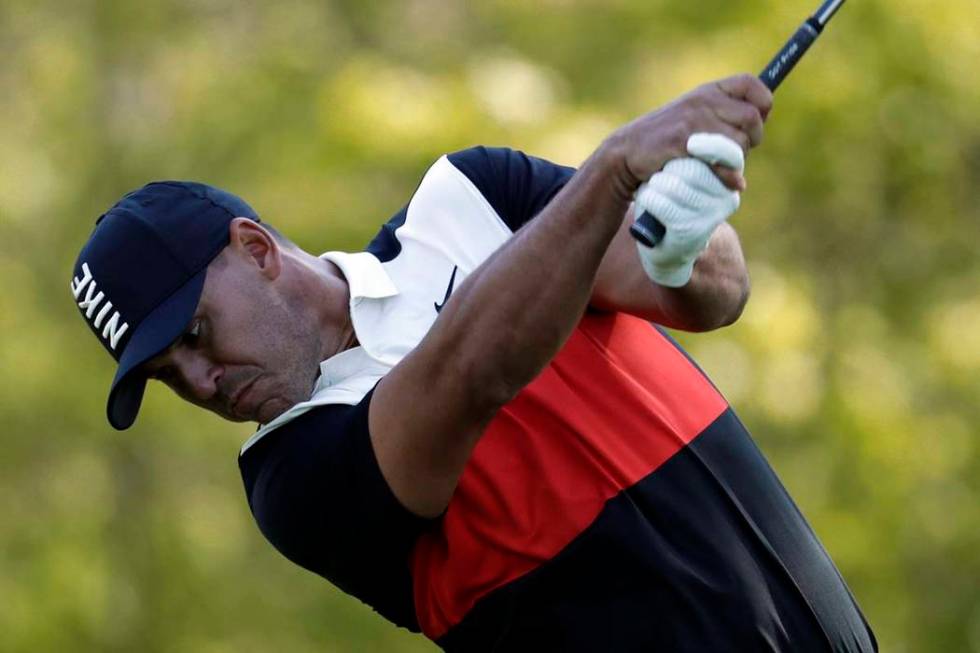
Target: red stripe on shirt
615,403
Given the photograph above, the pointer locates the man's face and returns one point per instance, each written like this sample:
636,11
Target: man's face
247,354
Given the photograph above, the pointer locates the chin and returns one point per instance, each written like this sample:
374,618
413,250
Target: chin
231,417
272,409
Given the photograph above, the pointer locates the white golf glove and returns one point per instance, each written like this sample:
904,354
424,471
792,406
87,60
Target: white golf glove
690,201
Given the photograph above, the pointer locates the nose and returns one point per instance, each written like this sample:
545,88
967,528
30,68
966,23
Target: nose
198,374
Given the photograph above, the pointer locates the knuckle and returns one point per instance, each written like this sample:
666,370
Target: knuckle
677,140
680,127
698,99
758,86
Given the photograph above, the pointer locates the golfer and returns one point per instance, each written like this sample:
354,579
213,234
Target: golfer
472,425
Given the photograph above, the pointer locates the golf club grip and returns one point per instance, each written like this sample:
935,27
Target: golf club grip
773,74
647,229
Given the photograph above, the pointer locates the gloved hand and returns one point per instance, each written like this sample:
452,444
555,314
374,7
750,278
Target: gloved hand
690,201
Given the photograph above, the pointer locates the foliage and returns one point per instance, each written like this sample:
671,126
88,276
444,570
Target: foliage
856,364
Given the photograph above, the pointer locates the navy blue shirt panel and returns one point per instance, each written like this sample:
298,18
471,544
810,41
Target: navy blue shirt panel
516,185
385,245
318,495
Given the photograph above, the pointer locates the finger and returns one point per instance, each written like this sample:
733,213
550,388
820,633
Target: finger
716,148
743,116
732,179
734,133
749,88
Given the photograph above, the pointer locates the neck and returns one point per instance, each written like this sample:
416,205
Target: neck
349,340
325,290
320,291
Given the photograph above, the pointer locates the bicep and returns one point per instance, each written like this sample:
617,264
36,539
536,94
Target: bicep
424,422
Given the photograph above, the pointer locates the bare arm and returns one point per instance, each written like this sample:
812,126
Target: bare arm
713,298
506,321
516,310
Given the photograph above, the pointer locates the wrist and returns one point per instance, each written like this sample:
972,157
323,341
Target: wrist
613,156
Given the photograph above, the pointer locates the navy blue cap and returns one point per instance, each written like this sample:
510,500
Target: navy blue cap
138,280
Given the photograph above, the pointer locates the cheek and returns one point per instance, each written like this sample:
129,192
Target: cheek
244,337
278,343
266,333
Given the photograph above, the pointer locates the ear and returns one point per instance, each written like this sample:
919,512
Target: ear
250,240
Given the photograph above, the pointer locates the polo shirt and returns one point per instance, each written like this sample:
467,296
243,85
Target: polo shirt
616,503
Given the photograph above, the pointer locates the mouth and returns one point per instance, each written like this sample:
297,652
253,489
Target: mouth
241,394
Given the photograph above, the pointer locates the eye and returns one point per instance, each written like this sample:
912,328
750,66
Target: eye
192,337
163,374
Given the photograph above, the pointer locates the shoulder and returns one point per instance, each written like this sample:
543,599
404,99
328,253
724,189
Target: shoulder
517,185
317,494
322,458
308,452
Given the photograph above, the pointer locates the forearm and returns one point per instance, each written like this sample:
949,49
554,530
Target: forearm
717,291
714,297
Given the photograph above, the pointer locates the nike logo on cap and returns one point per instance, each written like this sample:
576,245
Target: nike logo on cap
89,304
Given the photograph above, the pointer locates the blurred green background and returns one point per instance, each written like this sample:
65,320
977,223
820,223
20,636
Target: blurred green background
856,364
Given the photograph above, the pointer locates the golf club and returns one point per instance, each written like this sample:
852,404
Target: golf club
647,228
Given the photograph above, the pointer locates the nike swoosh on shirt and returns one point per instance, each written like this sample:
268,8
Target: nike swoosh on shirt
449,290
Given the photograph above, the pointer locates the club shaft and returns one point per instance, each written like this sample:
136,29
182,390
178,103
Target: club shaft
647,229
827,11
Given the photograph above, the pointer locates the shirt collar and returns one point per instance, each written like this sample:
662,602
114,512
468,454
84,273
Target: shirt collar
341,367
365,275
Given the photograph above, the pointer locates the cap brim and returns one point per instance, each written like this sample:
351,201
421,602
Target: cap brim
154,334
